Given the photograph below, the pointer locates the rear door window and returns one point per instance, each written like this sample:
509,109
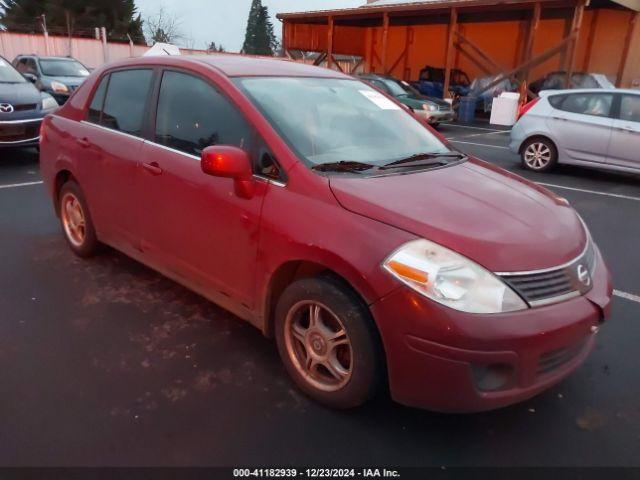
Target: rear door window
126,100
192,115
630,108
94,115
595,104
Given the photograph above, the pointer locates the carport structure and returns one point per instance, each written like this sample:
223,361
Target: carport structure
520,39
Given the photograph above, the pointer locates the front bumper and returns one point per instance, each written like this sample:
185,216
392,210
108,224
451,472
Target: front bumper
450,361
20,133
437,116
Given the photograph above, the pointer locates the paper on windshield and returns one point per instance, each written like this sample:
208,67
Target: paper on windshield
380,100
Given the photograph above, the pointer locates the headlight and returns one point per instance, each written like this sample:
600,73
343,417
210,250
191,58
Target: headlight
429,107
49,103
451,279
59,87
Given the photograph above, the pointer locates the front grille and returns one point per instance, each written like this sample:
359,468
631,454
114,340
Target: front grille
552,285
17,132
25,107
550,361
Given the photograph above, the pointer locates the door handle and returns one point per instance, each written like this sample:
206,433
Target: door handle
558,118
152,168
83,142
624,129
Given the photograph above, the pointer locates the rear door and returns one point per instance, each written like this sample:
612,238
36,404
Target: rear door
196,229
581,123
108,145
625,137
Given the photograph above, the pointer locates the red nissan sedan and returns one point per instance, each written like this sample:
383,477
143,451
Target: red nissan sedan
328,216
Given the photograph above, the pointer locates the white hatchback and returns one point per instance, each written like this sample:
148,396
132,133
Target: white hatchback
594,127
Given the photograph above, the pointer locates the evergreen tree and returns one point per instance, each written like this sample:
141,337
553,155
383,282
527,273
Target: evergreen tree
215,48
260,38
119,17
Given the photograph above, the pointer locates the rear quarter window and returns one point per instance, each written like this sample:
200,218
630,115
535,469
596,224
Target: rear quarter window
593,104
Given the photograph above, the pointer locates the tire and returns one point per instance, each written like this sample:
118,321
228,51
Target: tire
539,155
435,124
75,219
345,371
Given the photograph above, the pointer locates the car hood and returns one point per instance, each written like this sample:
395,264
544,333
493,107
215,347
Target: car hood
19,93
496,218
69,81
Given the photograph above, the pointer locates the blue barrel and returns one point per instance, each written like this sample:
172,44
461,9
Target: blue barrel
467,109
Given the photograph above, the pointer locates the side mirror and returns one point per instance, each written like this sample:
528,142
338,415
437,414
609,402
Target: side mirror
230,162
31,77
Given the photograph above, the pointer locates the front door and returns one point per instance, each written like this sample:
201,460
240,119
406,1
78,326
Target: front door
625,137
195,228
581,123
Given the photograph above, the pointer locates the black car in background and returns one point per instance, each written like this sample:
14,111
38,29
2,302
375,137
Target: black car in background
58,76
22,108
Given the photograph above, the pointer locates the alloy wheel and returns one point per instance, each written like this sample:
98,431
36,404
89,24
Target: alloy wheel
537,155
318,345
73,219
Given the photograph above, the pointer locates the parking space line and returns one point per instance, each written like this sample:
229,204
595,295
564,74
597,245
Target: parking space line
452,140
627,296
471,127
484,134
594,192
18,185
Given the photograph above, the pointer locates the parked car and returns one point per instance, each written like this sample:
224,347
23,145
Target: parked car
58,76
433,110
557,81
485,96
325,214
431,82
590,127
22,108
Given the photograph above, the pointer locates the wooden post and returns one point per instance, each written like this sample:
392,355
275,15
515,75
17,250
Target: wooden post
330,43
385,41
592,35
631,31
453,26
407,49
531,37
576,24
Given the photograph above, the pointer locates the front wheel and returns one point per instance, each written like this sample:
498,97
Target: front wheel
328,342
539,155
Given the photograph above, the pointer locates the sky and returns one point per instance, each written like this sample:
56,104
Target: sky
225,21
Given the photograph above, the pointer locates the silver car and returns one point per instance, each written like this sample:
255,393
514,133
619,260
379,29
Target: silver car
590,127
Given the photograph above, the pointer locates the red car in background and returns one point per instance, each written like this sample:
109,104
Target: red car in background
328,216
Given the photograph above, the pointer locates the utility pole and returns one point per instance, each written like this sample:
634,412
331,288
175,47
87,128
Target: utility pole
68,19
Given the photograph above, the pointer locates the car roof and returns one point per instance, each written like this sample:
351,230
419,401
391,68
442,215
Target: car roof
233,65
589,90
47,57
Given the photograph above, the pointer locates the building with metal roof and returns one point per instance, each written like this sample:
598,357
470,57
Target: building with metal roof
519,39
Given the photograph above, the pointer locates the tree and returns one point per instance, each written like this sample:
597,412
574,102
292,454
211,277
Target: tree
215,48
163,27
260,38
75,17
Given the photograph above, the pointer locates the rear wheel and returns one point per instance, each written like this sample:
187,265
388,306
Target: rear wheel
328,343
539,155
76,221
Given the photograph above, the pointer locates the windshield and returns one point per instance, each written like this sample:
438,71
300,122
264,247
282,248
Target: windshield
8,74
331,120
62,68
395,88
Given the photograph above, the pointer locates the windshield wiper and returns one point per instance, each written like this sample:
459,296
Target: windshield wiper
420,157
343,166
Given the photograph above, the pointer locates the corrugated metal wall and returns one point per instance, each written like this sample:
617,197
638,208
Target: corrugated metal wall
89,51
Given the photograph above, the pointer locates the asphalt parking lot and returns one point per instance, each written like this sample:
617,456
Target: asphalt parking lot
104,362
